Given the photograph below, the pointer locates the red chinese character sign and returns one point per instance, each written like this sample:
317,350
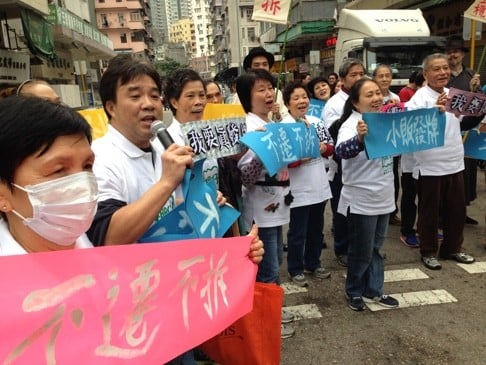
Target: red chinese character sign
273,11
133,305
477,11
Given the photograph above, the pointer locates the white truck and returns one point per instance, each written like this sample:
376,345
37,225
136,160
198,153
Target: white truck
399,38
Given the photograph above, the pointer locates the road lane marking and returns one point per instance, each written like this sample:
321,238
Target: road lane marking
474,268
404,274
417,298
304,311
290,288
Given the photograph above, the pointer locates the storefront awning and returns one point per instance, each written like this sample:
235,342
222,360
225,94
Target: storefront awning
38,33
320,27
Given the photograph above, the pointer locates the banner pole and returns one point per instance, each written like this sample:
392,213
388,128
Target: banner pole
473,44
282,59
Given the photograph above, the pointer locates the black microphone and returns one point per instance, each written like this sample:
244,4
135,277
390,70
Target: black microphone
158,130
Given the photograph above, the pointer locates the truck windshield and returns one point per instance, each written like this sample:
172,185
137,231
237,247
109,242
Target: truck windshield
403,60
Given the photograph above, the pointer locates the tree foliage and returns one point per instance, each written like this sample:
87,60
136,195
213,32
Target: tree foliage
167,66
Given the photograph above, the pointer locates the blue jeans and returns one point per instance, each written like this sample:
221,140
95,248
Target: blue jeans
304,238
365,262
339,221
269,268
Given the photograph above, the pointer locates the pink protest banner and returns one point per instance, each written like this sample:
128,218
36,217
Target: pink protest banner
462,102
135,304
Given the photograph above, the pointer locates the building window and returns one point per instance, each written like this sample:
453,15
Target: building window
135,16
249,13
104,20
101,1
121,19
123,38
243,33
251,33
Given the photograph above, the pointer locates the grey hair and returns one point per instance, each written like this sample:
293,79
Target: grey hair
347,64
431,57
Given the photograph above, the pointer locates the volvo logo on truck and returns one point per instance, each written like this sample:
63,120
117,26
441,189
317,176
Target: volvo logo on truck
395,20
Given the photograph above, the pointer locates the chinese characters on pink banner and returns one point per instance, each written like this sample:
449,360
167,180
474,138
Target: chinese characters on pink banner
141,307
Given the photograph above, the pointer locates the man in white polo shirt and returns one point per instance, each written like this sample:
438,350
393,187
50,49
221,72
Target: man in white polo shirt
439,171
136,182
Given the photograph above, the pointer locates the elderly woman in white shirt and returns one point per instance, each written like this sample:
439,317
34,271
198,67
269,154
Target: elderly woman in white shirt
366,199
48,194
310,187
266,199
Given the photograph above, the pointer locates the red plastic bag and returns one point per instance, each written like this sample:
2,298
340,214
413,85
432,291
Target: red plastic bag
254,338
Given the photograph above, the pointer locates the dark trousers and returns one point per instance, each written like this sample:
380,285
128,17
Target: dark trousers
339,221
470,178
304,238
408,208
396,181
444,196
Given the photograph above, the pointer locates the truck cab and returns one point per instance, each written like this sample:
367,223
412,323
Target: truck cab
399,38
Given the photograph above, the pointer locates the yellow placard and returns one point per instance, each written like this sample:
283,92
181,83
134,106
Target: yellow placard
221,111
97,119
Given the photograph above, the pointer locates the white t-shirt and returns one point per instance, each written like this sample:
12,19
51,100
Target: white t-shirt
279,100
124,172
447,159
391,96
367,184
256,197
308,182
334,108
9,246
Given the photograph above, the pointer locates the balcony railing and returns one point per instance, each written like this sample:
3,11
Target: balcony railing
61,16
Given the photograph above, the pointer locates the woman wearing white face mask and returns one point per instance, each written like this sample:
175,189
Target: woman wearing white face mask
48,193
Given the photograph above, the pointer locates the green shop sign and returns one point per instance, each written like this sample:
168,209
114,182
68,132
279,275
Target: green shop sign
61,16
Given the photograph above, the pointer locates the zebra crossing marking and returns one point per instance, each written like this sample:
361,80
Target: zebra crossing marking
290,288
404,274
417,298
304,311
474,268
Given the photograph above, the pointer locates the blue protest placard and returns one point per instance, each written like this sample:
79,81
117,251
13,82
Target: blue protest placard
475,144
282,143
392,134
315,108
198,216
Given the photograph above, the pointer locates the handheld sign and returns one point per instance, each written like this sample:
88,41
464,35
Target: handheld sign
198,216
475,143
392,134
98,121
218,133
315,108
462,102
128,304
282,143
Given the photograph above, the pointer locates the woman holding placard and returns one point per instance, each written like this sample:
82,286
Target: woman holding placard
366,199
310,187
